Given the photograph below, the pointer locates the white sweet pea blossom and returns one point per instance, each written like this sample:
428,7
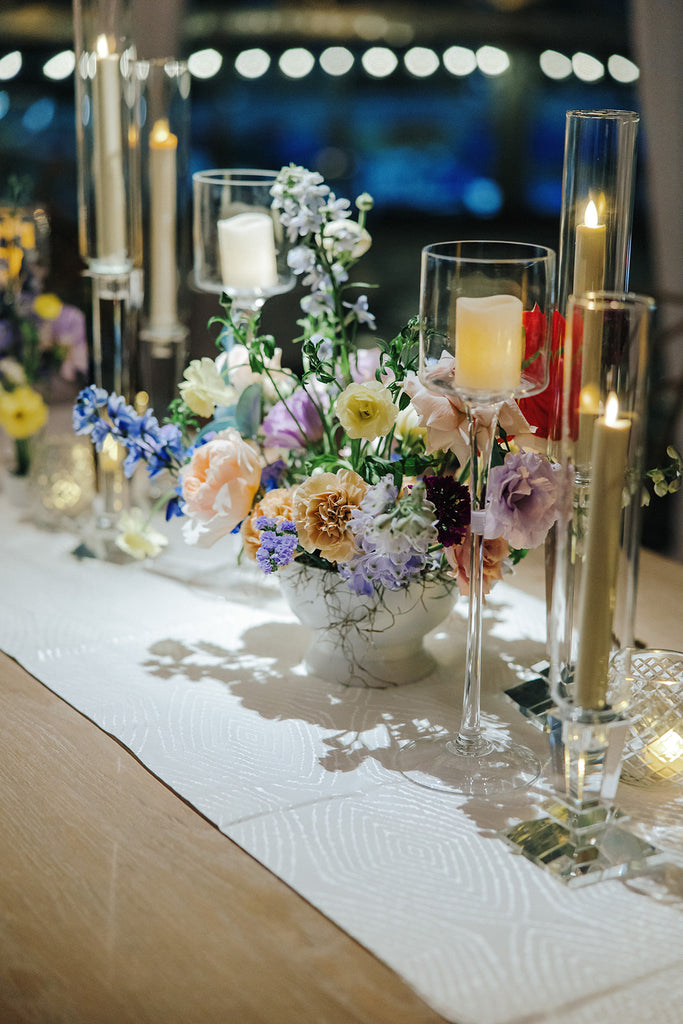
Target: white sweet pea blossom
341,237
138,538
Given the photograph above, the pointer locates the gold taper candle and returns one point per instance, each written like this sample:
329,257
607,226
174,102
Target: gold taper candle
110,201
601,556
163,302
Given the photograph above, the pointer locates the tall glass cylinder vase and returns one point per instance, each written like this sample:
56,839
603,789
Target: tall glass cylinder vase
596,216
167,198
109,207
596,219
593,594
601,453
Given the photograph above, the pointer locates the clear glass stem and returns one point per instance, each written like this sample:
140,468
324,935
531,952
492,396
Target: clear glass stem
470,738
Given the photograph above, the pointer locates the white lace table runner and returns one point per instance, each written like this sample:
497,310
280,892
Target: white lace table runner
194,665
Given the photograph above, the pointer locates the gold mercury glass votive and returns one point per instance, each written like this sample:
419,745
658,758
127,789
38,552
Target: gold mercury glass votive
653,752
61,485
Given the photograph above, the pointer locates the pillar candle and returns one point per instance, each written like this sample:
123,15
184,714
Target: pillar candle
247,251
601,556
488,343
110,202
163,303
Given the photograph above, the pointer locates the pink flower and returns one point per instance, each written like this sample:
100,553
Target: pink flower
219,484
445,419
495,553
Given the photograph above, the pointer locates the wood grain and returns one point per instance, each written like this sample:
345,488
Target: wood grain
119,903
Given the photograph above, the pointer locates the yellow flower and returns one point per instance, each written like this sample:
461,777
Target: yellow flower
366,410
22,412
138,538
204,388
47,306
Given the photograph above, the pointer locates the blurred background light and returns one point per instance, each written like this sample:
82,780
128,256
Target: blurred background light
587,68
297,62
555,65
60,66
622,69
39,115
336,60
421,61
491,60
10,65
204,63
252,63
379,61
459,60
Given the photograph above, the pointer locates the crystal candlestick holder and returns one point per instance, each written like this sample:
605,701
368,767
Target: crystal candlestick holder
582,837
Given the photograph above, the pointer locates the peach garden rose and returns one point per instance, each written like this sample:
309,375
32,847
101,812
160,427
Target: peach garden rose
219,484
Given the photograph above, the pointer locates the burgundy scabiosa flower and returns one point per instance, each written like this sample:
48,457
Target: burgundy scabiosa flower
451,500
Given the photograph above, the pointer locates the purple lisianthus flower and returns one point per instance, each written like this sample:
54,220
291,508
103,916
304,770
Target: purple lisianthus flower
523,497
293,423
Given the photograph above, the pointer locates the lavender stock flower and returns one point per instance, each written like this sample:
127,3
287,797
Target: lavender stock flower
278,543
523,495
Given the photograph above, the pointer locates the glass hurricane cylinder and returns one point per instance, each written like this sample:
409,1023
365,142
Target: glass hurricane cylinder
107,134
166,202
597,202
109,222
240,246
598,530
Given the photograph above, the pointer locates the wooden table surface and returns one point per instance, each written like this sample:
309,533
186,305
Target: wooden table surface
120,904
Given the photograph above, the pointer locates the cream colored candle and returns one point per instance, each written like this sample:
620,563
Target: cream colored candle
163,302
110,201
488,343
247,251
590,253
601,556
589,276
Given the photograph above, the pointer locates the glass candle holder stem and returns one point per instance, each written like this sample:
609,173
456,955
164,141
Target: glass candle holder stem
470,738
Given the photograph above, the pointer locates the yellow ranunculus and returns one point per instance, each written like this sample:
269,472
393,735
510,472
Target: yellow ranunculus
366,410
47,306
22,412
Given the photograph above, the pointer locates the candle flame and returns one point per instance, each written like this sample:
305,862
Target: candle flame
161,137
611,409
102,46
590,218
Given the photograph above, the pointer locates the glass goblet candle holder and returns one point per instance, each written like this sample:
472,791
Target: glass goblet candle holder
240,247
485,321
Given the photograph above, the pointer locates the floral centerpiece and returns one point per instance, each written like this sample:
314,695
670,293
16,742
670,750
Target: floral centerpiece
42,339
349,466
